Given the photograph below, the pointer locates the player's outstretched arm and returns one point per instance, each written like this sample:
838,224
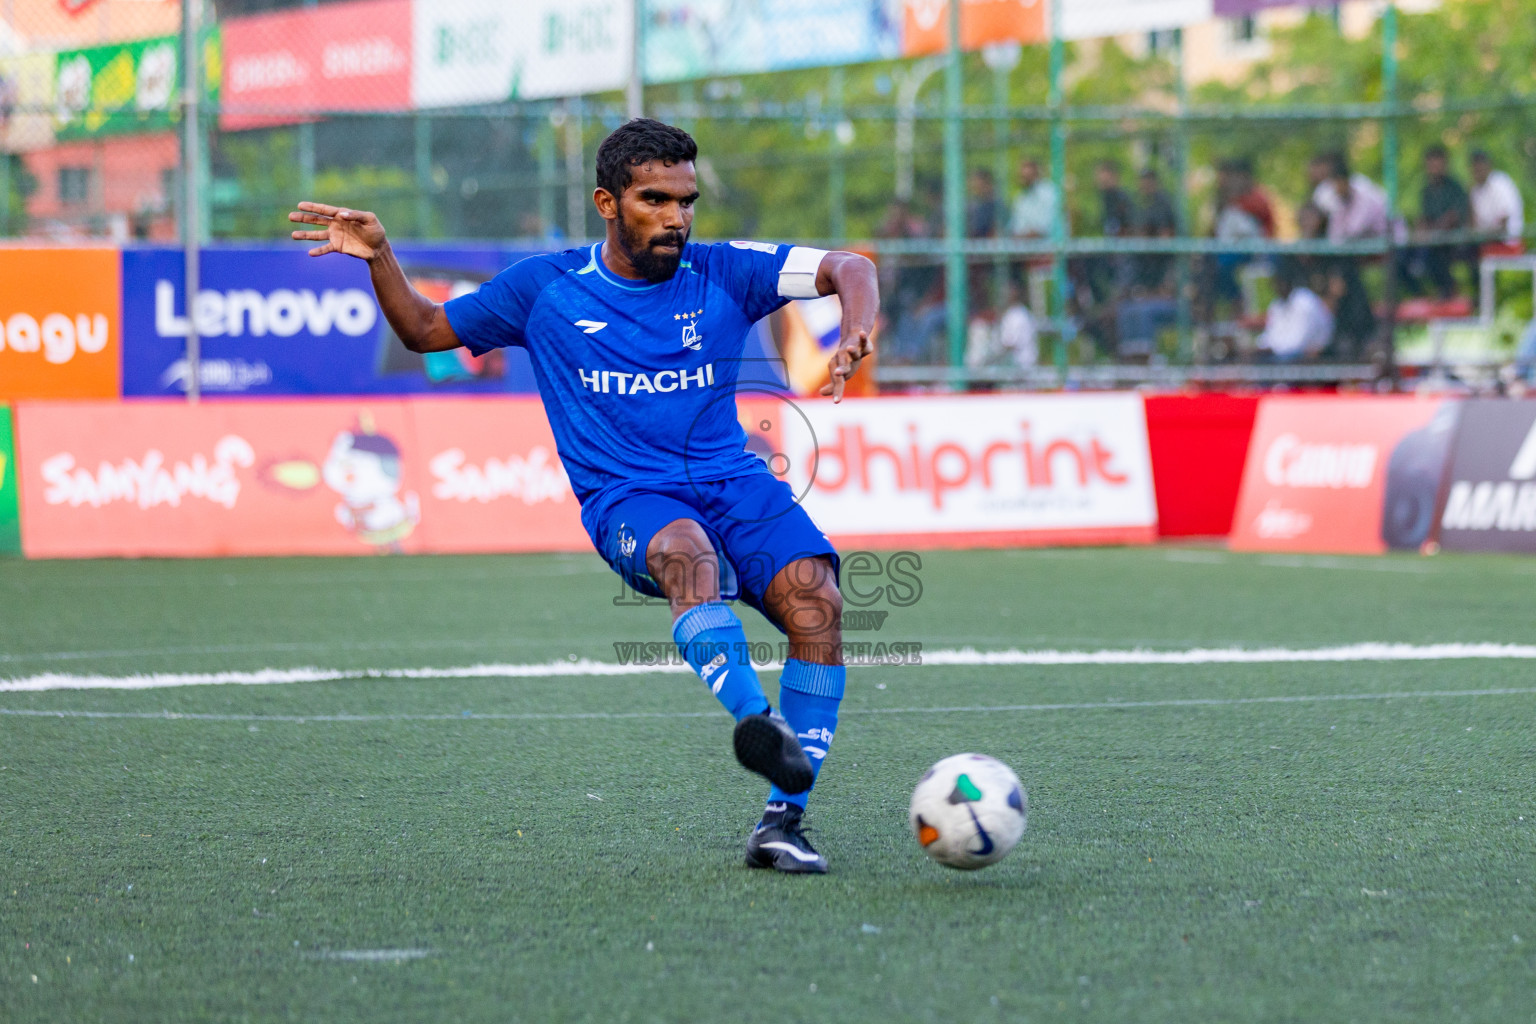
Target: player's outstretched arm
852,279
421,323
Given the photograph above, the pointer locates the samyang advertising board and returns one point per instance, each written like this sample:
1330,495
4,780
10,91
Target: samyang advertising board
317,477
1490,503
274,321
975,471
1344,474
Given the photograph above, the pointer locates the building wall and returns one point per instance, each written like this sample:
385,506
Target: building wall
1213,50
130,188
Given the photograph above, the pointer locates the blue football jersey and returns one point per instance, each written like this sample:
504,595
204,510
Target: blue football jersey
638,379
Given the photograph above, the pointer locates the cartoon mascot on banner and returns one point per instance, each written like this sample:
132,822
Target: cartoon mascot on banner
364,468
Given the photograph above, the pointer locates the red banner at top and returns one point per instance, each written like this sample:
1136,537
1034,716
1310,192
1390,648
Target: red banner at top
281,66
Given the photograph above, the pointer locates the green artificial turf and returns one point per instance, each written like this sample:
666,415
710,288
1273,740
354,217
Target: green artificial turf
1362,859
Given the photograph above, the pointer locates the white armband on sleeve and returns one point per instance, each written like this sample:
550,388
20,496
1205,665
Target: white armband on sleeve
797,278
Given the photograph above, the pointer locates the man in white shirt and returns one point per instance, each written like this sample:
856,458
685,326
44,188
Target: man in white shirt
1497,208
1034,209
1299,325
1356,206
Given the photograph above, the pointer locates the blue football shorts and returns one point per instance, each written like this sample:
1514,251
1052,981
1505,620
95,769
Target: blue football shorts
754,522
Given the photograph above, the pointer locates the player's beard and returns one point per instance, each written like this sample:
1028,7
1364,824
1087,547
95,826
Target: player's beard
655,266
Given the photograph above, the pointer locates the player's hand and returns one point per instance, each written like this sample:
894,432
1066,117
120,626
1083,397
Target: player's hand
353,232
851,348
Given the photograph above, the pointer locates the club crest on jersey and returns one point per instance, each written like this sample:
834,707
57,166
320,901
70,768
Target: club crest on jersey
691,339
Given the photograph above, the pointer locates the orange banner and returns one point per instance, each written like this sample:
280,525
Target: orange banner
291,478
1342,475
60,311
981,22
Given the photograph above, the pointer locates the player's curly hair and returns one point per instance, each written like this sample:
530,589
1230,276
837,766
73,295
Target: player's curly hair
639,142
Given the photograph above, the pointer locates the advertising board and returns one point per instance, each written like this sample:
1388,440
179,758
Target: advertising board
925,24
282,65
10,510
125,87
1344,474
1490,502
59,323
318,477
982,470
699,38
487,51
274,321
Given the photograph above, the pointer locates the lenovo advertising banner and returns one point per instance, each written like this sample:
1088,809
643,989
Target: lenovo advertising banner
59,323
1346,475
274,321
1491,501
316,477
982,470
490,51
283,65
10,511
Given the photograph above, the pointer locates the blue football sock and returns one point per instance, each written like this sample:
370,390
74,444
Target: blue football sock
711,639
808,697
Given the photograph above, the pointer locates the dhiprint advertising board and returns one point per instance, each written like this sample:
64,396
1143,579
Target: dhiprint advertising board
977,471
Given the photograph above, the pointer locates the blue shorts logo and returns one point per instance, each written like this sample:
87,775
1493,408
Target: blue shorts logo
626,541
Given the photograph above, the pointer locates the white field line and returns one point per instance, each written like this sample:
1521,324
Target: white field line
583,667
372,955
574,716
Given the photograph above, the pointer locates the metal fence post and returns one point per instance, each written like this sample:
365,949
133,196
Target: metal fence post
837,188
1389,174
1181,173
1059,183
955,285
191,165
423,147
634,86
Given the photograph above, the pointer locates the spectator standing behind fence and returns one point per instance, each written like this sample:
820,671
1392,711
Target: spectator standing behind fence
1151,305
1299,324
1034,208
1356,206
1109,275
982,212
1497,209
1244,213
1443,206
